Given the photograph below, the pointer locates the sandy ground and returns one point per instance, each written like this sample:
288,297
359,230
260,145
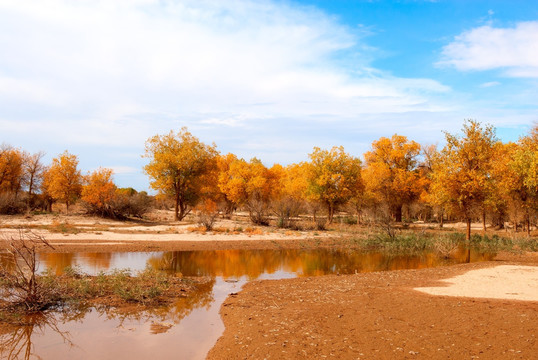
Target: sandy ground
77,233
382,316
90,229
515,282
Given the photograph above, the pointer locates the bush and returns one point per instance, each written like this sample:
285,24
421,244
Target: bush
18,276
320,223
207,213
11,204
125,203
349,220
132,204
400,244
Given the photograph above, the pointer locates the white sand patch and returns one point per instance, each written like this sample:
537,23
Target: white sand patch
514,282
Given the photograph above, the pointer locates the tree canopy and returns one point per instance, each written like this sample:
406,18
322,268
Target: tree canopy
178,164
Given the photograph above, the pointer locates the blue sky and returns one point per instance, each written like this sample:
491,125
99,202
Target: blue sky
266,79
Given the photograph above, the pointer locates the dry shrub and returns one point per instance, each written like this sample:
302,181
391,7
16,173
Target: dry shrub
207,213
445,246
253,231
18,276
63,227
11,204
198,229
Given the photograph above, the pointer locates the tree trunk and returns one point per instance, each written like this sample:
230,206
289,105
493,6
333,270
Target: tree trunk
67,206
30,203
468,232
398,213
484,220
528,225
330,213
441,223
176,208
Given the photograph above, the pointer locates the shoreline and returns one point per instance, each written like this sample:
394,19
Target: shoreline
377,315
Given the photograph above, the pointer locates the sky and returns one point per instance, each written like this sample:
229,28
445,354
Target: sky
265,79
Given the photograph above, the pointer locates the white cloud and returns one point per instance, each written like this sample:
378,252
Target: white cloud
484,48
490,84
122,170
192,57
259,77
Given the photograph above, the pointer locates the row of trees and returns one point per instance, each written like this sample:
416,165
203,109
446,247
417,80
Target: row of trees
473,176
26,184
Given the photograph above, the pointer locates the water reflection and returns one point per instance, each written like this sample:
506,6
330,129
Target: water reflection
17,342
98,332
254,263
189,327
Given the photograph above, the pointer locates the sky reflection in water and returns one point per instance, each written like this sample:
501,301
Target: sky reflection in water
194,322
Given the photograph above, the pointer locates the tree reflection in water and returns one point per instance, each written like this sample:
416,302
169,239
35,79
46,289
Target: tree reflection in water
17,340
254,263
16,343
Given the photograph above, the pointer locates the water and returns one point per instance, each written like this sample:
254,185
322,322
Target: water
190,327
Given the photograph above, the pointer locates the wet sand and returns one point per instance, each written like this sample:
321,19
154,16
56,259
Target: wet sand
381,316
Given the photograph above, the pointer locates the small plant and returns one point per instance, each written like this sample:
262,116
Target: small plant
19,279
446,245
253,231
63,227
321,223
349,220
207,214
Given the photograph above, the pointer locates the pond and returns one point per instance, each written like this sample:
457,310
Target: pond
191,326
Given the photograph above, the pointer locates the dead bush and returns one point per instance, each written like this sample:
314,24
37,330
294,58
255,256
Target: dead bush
207,213
11,204
18,275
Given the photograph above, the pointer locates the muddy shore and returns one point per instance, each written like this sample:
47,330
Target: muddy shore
376,316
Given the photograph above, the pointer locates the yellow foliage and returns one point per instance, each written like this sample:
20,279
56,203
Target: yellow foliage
333,177
63,180
11,169
99,189
179,167
392,175
462,173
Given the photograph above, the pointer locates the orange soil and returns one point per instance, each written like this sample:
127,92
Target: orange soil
376,316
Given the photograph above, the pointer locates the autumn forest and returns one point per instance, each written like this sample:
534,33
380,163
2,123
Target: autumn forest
473,177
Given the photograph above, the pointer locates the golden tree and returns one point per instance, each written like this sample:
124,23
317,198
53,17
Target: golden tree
523,166
252,185
178,164
289,199
99,192
222,175
462,172
392,174
63,180
11,169
334,177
